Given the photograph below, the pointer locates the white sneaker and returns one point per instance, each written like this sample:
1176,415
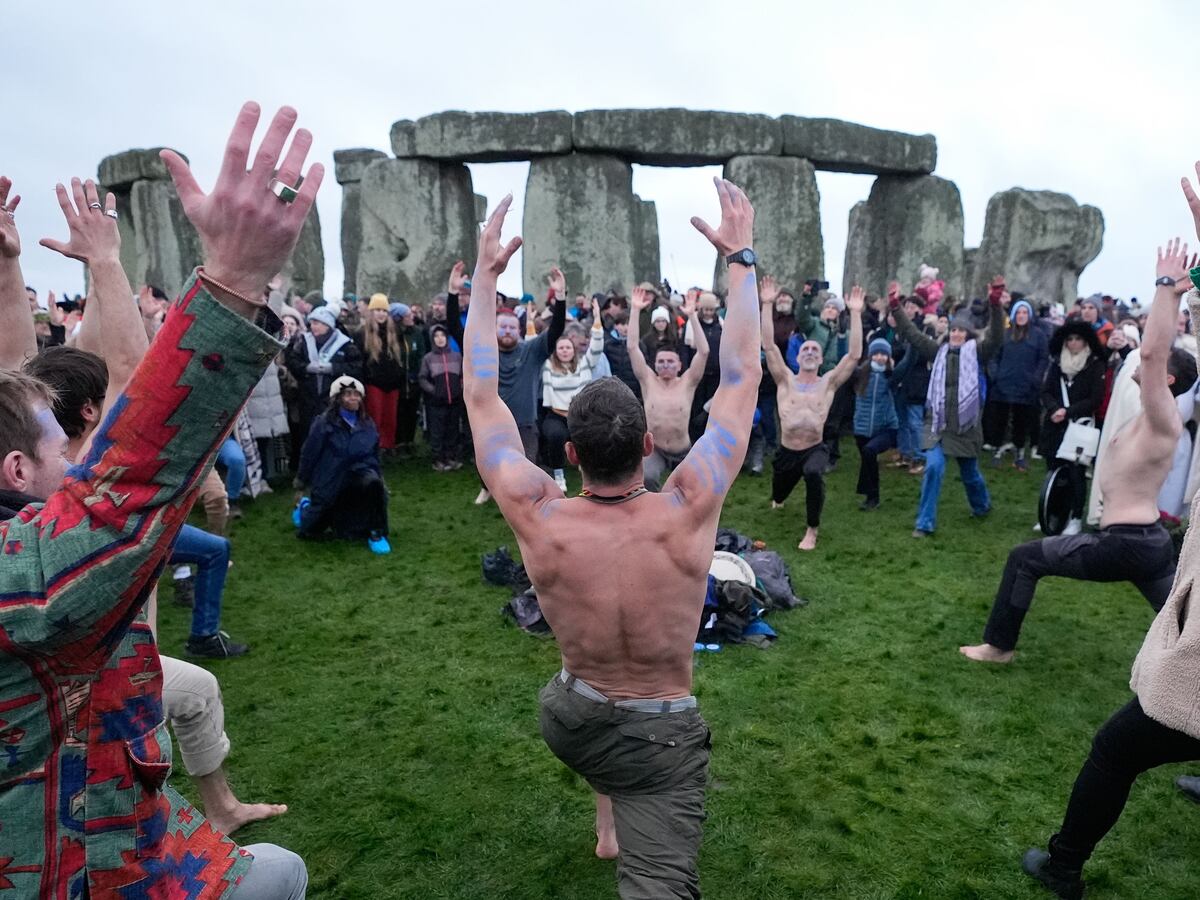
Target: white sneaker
484,496
1074,526
561,481
1033,453
1037,526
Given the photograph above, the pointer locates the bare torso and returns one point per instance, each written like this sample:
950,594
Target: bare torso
622,585
1131,472
668,410
803,407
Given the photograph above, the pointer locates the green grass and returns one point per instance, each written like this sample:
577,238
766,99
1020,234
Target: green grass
860,757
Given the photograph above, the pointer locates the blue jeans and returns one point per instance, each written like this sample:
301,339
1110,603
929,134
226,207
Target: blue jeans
766,406
234,460
931,486
275,874
211,556
912,417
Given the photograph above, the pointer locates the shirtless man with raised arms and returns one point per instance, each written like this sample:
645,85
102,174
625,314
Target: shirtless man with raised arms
1131,544
667,391
621,573
803,402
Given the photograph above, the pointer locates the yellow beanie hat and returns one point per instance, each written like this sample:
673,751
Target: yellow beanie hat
378,301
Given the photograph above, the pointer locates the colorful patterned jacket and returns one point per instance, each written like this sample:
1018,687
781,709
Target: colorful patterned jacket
85,810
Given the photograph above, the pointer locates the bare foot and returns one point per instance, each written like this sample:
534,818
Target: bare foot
775,505
606,829
986,653
810,540
229,821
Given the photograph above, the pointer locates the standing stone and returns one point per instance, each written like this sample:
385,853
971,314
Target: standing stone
906,221
418,218
305,270
348,167
676,137
167,247
579,216
836,146
970,262
647,260
1040,241
787,218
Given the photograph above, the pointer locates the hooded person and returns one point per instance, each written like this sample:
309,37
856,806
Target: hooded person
1015,386
1091,310
953,405
441,382
1073,389
339,468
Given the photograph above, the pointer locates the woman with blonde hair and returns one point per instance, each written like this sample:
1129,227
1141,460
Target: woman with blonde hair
383,371
564,375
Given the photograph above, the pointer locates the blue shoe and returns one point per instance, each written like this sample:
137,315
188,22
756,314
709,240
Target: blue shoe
304,504
378,543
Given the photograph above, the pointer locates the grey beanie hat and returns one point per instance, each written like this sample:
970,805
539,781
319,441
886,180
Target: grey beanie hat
324,315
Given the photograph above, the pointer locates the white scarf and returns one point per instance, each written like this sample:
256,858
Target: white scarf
1072,364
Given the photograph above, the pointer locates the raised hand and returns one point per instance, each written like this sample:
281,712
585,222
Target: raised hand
768,290
736,230
92,234
248,233
494,256
1173,263
458,279
1189,194
558,283
690,305
639,298
10,241
856,300
597,321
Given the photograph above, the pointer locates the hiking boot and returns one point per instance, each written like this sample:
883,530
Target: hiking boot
1060,882
215,646
185,591
235,510
378,543
1190,785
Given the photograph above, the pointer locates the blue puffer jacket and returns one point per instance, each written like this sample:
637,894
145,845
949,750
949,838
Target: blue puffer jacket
333,450
1018,368
874,408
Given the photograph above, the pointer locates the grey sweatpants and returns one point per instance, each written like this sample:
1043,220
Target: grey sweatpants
653,766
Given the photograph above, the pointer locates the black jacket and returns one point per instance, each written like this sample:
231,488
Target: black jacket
333,450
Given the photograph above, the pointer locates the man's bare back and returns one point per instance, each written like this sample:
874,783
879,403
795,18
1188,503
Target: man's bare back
625,608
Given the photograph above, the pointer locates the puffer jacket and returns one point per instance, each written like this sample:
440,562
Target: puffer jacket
441,377
874,407
1018,367
265,408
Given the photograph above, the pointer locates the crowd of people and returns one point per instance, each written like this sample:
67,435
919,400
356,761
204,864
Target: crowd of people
119,410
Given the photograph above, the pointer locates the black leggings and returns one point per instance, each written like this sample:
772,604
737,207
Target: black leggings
554,431
1024,416
1127,745
791,466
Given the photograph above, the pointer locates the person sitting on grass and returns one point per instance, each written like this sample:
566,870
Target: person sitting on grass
339,466
875,421
563,376
1131,545
441,383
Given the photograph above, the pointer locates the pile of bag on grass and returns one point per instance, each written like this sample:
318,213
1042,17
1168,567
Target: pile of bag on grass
746,582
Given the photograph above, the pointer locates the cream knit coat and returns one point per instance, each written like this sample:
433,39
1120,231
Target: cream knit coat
1166,673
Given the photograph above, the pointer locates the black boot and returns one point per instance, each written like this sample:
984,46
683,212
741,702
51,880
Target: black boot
1061,882
185,591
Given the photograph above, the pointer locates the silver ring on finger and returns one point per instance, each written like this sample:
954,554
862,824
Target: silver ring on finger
282,191
94,205
111,213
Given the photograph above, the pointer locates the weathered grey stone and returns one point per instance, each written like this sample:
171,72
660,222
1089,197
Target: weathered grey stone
970,260
647,261
404,138
167,247
485,136
787,216
418,218
122,169
1039,241
579,216
481,210
349,164
305,270
837,146
676,137
907,220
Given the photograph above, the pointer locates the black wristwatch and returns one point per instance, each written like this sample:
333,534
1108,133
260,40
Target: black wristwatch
744,257
1165,281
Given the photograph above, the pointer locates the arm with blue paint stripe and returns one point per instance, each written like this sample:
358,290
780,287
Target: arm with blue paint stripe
704,477
499,454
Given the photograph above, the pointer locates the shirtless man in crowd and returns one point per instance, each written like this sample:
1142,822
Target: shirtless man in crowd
803,402
621,573
667,390
1131,545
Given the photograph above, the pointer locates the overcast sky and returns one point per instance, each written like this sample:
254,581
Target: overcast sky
1091,99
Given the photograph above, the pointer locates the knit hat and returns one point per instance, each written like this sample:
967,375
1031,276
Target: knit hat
345,383
399,310
833,300
660,314
1012,312
964,322
1095,300
324,315
286,312
314,299
879,345
378,301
